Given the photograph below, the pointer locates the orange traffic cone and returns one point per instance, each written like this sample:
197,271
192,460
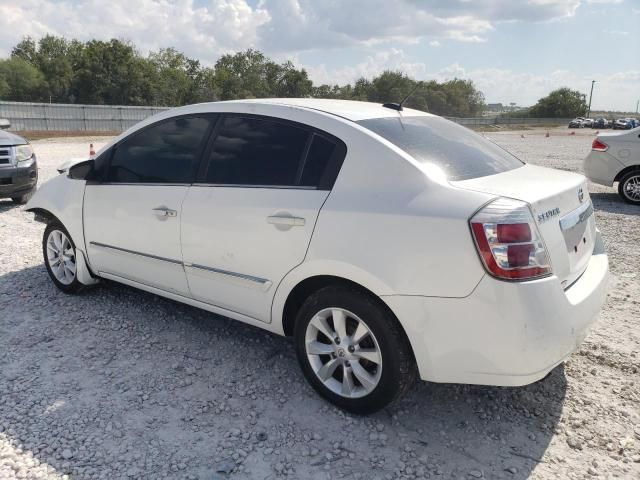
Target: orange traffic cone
92,152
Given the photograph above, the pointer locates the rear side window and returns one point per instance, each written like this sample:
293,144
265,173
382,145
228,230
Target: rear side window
255,151
167,152
266,152
323,162
460,153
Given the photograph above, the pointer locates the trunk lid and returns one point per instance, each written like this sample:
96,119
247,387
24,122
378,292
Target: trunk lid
561,208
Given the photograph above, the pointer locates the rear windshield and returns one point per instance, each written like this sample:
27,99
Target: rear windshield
458,151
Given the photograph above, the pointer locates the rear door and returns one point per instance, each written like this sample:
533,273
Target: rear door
249,218
132,217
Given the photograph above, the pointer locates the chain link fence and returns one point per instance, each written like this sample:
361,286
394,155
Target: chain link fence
59,117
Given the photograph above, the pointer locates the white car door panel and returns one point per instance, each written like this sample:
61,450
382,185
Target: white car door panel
249,219
133,231
132,215
238,243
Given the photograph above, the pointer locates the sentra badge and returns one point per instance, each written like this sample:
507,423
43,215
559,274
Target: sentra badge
543,217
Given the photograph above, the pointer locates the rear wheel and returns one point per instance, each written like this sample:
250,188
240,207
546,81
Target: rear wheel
629,187
352,350
60,258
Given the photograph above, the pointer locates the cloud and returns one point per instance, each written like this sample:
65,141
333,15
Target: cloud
498,85
620,33
504,85
308,24
207,28
372,65
204,31
285,29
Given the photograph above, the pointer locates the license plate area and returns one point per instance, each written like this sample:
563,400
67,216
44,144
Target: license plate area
577,217
579,232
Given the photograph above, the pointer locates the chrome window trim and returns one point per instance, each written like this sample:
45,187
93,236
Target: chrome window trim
222,185
133,252
145,184
262,282
276,187
243,276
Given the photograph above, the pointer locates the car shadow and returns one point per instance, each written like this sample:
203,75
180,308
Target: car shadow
488,429
612,203
117,366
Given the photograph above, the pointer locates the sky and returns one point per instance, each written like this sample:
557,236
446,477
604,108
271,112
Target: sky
514,50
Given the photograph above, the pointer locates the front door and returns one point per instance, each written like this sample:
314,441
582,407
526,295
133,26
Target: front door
249,220
132,218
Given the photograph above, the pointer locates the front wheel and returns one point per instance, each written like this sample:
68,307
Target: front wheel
60,258
352,350
629,187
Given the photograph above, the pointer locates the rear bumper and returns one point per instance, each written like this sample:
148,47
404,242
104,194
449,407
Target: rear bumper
504,333
601,168
16,181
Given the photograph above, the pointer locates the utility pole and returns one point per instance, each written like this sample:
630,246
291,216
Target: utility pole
590,95
637,105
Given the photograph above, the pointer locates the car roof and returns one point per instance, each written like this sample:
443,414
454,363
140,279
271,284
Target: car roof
349,109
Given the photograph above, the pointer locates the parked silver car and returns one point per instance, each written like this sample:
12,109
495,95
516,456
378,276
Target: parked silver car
18,166
615,157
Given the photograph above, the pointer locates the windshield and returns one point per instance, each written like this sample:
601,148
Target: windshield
459,152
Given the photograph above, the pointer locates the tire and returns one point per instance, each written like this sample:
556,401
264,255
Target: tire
629,187
22,199
371,330
63,272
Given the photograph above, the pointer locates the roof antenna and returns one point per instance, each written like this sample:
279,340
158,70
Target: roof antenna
398,106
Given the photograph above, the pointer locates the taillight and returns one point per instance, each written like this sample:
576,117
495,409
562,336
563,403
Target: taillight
599,146
508,241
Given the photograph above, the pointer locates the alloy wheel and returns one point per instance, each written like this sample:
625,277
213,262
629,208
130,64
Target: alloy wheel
343,353
631,188
61,257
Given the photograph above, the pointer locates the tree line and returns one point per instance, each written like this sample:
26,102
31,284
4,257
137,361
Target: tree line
113,72
54,69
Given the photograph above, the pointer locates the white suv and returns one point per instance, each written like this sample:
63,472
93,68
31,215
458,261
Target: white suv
388,242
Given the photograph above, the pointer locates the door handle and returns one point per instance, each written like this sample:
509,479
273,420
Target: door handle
286,220
164,212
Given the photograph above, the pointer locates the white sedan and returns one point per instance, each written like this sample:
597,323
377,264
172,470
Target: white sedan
388,242
615,157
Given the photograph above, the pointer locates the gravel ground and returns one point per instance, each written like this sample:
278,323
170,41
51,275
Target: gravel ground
117,383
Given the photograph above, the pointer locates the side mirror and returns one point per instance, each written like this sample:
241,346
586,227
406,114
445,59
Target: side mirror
82,170
4,124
